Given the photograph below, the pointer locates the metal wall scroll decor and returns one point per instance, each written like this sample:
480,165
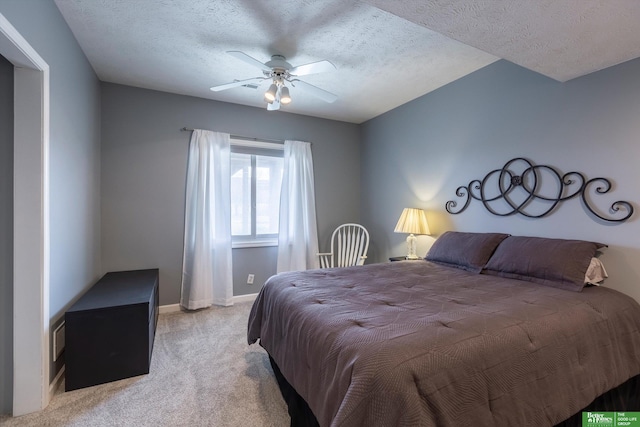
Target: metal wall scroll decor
534,191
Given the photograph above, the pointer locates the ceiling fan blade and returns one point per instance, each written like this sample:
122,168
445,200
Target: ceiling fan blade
237,83
272,106
248,59
315,91
312,68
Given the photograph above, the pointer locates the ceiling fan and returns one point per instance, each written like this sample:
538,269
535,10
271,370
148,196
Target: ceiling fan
279,72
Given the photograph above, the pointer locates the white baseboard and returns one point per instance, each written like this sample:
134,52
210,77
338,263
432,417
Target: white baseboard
53,387
173,308
245,298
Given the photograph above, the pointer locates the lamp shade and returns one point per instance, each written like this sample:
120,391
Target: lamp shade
412,221
270,95
285,98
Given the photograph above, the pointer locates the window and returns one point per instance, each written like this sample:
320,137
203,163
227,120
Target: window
256,179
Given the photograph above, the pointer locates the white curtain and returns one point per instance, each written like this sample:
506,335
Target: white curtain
206,267
298,235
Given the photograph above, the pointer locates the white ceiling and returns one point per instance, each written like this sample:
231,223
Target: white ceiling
386,52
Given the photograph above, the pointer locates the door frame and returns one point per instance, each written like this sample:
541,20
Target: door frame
31,222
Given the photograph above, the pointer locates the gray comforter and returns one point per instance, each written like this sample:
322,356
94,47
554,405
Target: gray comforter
416,344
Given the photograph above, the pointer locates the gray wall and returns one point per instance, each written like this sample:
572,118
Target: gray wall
258,261
74,151
419,153
144,160
6,235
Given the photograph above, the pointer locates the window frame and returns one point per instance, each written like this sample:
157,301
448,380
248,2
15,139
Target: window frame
255,148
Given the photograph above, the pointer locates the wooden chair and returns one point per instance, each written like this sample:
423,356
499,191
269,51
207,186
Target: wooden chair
349,245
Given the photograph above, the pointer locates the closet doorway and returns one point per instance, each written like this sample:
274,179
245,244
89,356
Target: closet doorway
30,222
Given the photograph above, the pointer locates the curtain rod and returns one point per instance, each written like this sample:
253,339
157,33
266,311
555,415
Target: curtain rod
244,138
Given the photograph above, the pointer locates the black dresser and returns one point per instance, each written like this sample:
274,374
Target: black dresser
110,330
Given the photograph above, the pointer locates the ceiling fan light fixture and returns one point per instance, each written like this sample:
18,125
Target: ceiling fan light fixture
270,95
285,98
279,72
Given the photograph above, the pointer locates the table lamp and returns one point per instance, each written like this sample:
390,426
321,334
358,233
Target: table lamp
412,221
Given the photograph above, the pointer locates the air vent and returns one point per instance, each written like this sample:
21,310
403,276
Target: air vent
58,341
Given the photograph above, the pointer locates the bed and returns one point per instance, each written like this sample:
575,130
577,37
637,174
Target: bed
489,330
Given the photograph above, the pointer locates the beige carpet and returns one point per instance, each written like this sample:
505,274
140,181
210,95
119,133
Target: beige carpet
203,373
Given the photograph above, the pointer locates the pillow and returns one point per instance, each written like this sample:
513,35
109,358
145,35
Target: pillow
469,251
552,262
595,272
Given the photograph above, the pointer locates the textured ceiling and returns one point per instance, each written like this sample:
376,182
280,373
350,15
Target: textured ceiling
561,39
386,52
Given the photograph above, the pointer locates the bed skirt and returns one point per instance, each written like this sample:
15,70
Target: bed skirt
625,397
